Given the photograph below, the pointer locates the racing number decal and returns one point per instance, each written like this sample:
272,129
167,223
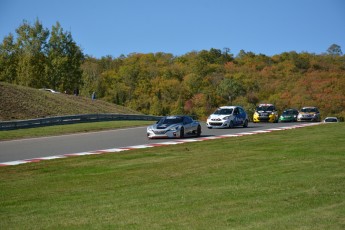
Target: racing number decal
240,119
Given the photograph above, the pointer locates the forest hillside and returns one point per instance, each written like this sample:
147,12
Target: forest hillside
159,83
198,82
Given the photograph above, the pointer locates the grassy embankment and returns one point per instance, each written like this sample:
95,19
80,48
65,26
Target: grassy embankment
21,103
292,179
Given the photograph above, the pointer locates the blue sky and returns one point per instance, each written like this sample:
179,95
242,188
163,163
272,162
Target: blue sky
115,27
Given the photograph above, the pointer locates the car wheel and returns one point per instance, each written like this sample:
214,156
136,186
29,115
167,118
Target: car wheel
245,124
231,125
182,132
198,131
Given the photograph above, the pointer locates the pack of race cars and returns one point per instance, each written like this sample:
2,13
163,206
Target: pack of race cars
268,113
229,117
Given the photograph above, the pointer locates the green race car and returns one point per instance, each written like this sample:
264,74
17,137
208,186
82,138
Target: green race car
289,115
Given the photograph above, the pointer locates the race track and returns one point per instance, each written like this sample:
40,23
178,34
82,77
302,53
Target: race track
17,150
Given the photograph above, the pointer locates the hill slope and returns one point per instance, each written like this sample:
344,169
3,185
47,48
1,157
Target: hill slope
18,102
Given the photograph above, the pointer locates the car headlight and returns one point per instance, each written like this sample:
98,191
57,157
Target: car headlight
226,118
174,128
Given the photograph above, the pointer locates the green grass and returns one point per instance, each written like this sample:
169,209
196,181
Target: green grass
67,129
292,179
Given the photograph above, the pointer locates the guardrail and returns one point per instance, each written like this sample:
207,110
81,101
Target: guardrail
39,122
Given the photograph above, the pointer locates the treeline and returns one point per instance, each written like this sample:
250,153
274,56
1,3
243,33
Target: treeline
198,82
161,83
37,57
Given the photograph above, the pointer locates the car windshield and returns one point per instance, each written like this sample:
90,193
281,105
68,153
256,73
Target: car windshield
170,120
223,111
265,108
288,112
331,119
309,110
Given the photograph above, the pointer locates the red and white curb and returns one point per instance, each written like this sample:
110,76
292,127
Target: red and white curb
175,142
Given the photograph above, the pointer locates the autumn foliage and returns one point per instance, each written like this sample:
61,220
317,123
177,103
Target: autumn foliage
161,84
198,82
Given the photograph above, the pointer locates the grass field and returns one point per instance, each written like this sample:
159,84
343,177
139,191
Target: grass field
291,179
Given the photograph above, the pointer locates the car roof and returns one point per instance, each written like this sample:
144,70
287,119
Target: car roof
229,107
265,105
309,107
175,116
46,89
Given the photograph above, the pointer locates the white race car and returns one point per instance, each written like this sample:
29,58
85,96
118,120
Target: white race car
228,117
174,127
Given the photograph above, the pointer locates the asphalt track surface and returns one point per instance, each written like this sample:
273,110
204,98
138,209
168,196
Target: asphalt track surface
75,143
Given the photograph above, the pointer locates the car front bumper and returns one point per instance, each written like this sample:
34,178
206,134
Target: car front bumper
163,134
217,124
306,117
270,118
287,119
